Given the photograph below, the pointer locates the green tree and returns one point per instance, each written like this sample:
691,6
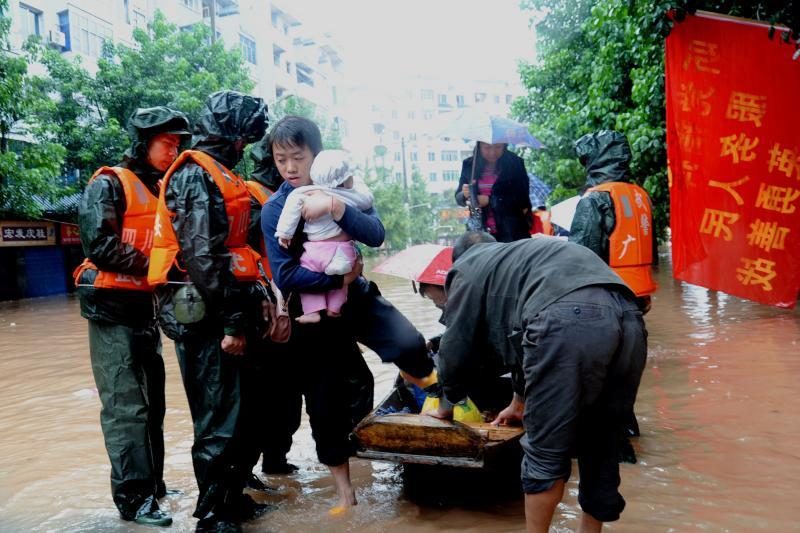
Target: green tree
389,202
421,213
165,66
299,106
29,161
601,66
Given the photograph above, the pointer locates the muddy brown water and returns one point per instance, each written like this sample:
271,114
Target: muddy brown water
719,410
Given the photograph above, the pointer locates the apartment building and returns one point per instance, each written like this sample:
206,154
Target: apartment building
281,55
402,125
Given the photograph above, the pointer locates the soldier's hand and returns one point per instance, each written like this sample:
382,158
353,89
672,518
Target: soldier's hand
465,191
234,345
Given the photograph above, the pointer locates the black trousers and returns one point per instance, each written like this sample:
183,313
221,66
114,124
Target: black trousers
280,401
583,358
371,320
378,324
129,374
220,389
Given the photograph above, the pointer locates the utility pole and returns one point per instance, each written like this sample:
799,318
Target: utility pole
212,13
406,203
405,178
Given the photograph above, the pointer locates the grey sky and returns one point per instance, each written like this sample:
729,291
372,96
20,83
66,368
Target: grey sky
381,39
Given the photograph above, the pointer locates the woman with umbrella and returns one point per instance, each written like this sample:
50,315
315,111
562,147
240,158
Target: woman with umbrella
495,183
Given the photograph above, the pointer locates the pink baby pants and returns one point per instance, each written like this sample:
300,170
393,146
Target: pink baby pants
316,257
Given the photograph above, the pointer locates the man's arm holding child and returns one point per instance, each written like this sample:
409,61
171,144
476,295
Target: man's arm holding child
362,226
286,270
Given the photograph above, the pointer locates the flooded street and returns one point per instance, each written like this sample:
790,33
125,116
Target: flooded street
719,412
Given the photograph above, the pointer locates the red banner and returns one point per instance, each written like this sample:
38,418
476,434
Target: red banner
70,234
733,146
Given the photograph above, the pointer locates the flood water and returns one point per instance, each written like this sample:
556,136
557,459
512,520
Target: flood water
719,410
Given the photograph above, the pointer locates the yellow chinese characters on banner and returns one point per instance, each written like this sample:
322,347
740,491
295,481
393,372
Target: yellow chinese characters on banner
734,159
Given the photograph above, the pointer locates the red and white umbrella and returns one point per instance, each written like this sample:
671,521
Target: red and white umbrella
423,263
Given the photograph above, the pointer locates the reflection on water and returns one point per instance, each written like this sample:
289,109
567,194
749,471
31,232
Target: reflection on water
718,409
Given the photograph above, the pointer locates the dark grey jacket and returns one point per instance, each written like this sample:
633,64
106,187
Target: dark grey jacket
493,290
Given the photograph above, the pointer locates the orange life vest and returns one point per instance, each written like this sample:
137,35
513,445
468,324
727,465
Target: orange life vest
630,250
261,194
137,230
244,260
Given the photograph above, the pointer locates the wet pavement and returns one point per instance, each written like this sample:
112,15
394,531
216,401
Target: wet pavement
719,410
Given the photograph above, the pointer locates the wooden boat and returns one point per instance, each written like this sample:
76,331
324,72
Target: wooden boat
410,438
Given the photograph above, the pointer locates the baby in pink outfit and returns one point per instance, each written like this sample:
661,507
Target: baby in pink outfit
328,249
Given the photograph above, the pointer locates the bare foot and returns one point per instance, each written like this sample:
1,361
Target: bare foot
310,318
346,502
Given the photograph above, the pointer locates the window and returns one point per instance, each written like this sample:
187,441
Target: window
248,48
508,99
398,176
460,100
432,176
427,115
442,99
397,156
277,52
412,136
87,35
288,67
139,19
480,97
127,9
63,26
450,175
426,94
194,5
431,156
396,135
449,155
414,156
497,99
394,114
411,115
30,21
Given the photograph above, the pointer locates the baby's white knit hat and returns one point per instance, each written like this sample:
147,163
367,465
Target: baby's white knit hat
331,168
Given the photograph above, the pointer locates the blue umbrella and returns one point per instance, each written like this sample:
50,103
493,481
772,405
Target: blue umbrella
477,125
538,191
